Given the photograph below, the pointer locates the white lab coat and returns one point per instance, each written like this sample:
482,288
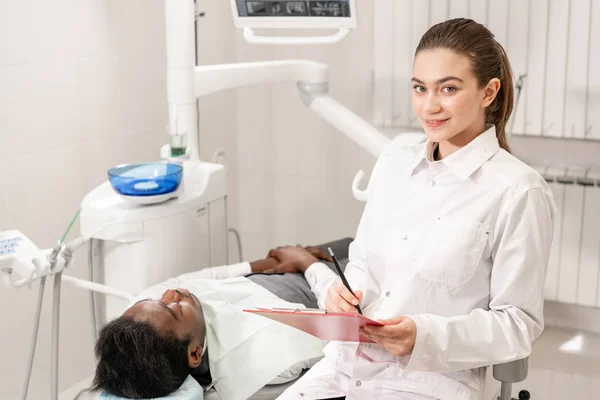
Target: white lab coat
461,246
246,351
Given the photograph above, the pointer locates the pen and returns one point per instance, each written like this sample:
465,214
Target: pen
341,273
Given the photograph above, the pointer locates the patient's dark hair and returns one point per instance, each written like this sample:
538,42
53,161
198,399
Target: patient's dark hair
135,361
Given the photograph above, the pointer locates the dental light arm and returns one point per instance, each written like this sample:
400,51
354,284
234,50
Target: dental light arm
186,81
350,124
312,82
215,78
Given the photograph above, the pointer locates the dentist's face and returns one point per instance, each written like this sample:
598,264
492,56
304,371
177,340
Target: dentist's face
446,96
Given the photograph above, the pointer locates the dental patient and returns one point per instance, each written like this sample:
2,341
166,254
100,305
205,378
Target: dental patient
194,325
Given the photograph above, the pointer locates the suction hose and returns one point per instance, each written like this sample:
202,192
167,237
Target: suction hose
55,333
36,327
55,317
92,293
38,314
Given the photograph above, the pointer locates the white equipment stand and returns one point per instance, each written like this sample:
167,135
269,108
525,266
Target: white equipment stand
182,235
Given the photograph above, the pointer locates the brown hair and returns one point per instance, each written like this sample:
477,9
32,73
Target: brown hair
488,61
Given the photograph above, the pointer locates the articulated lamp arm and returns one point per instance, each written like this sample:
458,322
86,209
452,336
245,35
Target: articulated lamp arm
312,82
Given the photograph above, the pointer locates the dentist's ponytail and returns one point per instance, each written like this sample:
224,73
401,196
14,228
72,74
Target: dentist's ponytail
499,111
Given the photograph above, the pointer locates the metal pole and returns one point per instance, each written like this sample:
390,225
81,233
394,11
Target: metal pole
55,332
36,328
92,294
506,391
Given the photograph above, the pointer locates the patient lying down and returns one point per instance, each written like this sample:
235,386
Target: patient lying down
162,339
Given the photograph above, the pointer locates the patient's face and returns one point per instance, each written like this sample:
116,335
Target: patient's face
177,311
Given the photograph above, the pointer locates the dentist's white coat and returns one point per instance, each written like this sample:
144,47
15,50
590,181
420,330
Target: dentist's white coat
461,246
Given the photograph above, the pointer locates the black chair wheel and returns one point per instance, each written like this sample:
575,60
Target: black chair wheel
524,395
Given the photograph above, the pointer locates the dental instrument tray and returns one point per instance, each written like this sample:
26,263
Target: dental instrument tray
325,325
146,183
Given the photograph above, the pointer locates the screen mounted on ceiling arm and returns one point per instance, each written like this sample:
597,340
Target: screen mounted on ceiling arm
294,8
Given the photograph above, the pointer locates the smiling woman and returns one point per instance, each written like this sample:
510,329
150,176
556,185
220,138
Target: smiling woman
462,82
453,244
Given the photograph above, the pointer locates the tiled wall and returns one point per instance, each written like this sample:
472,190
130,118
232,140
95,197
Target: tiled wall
82,88
295,171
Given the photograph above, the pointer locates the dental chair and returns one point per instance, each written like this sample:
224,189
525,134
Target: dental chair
509,373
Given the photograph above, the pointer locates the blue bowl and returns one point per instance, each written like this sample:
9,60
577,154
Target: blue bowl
145,179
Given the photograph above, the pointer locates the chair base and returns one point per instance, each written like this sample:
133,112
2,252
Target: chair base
506,390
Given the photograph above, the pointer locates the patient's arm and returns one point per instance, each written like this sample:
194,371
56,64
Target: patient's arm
281,260
299,259
231,271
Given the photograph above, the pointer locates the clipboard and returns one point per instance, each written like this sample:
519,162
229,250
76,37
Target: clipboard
324,325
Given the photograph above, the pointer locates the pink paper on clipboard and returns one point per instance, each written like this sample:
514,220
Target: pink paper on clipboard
324,325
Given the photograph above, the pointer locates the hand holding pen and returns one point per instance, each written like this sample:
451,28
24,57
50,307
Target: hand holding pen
340,296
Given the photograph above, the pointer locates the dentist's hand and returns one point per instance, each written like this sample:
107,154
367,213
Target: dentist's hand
398,336
340,299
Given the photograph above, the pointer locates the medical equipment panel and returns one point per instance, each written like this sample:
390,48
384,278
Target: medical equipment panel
17,253
293,8
334,14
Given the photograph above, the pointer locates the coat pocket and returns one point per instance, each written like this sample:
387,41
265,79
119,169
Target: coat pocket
453,251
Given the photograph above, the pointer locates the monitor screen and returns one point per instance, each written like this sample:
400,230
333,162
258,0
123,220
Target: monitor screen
294,8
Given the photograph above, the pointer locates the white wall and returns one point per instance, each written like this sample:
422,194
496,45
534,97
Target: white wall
82,89
295,171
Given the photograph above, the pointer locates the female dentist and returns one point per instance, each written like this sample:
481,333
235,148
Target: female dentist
453,245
